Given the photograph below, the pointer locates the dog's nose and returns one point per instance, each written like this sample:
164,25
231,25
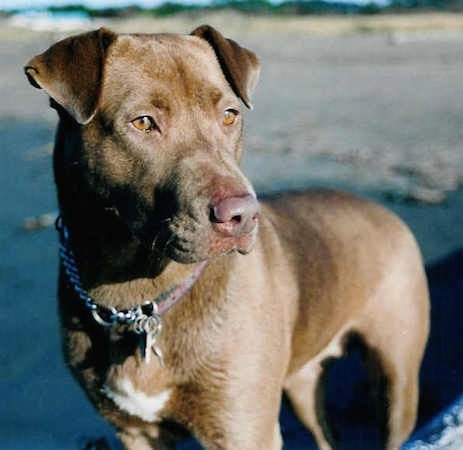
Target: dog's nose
235,216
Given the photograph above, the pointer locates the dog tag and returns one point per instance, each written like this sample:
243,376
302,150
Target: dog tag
148,326
150,346
152,328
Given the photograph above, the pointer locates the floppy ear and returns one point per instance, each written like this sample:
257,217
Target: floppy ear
71,72
239,65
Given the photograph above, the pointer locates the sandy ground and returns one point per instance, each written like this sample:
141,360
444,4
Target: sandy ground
379,113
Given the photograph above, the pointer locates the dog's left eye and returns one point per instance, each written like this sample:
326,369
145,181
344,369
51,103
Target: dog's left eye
144,123
229,117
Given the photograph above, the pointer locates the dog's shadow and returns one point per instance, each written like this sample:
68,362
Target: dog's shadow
442,370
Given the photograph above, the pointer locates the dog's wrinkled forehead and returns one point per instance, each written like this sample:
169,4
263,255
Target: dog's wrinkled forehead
165,68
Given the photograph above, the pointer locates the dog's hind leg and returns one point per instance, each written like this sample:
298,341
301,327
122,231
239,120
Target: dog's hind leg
394,379
394,371
397,347
305,392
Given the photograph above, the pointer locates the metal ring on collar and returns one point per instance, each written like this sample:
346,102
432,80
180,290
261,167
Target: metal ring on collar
101,321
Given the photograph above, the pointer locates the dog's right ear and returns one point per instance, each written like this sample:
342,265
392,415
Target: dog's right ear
71,72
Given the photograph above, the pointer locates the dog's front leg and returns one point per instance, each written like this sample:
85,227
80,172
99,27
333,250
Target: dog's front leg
260,440
137,440
134,439
241,423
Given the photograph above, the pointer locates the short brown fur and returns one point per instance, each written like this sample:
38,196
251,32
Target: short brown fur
144,207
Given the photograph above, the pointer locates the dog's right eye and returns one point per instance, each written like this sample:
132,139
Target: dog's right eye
144,123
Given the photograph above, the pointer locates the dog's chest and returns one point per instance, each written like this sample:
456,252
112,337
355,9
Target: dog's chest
135,399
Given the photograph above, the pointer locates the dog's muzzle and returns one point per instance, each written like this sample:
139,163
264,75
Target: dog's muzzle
231,226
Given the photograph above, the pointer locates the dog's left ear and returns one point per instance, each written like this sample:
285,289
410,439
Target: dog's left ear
71,72
239,65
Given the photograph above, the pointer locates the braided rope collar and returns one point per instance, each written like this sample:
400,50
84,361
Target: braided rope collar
144,320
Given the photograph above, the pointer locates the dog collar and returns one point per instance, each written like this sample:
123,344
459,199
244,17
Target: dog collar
145,320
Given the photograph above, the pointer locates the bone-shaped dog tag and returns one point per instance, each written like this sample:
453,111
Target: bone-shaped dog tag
148,328
150,346
152,327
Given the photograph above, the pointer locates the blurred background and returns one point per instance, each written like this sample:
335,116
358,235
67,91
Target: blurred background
354,95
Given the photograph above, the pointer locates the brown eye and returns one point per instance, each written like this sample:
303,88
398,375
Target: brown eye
144,123
229,117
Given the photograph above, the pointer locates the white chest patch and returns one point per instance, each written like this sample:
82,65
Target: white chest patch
137,403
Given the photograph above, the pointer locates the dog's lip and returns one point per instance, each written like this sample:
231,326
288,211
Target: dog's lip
185,257
242,244
185,251
175,248
247,243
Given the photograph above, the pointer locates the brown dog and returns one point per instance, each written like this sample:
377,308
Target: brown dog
153,206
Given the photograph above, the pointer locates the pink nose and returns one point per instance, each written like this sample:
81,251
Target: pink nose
235,216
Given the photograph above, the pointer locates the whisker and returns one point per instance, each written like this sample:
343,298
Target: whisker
168,242
153,244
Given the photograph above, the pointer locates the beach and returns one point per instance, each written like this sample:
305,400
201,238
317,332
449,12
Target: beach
374,109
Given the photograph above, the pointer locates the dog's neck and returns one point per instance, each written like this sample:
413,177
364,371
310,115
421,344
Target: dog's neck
144,320
161,304
113,265
106,250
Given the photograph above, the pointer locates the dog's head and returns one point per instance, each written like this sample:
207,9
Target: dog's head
150,125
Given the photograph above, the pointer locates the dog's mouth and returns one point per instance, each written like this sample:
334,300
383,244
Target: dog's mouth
198,243
186,251
197,229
